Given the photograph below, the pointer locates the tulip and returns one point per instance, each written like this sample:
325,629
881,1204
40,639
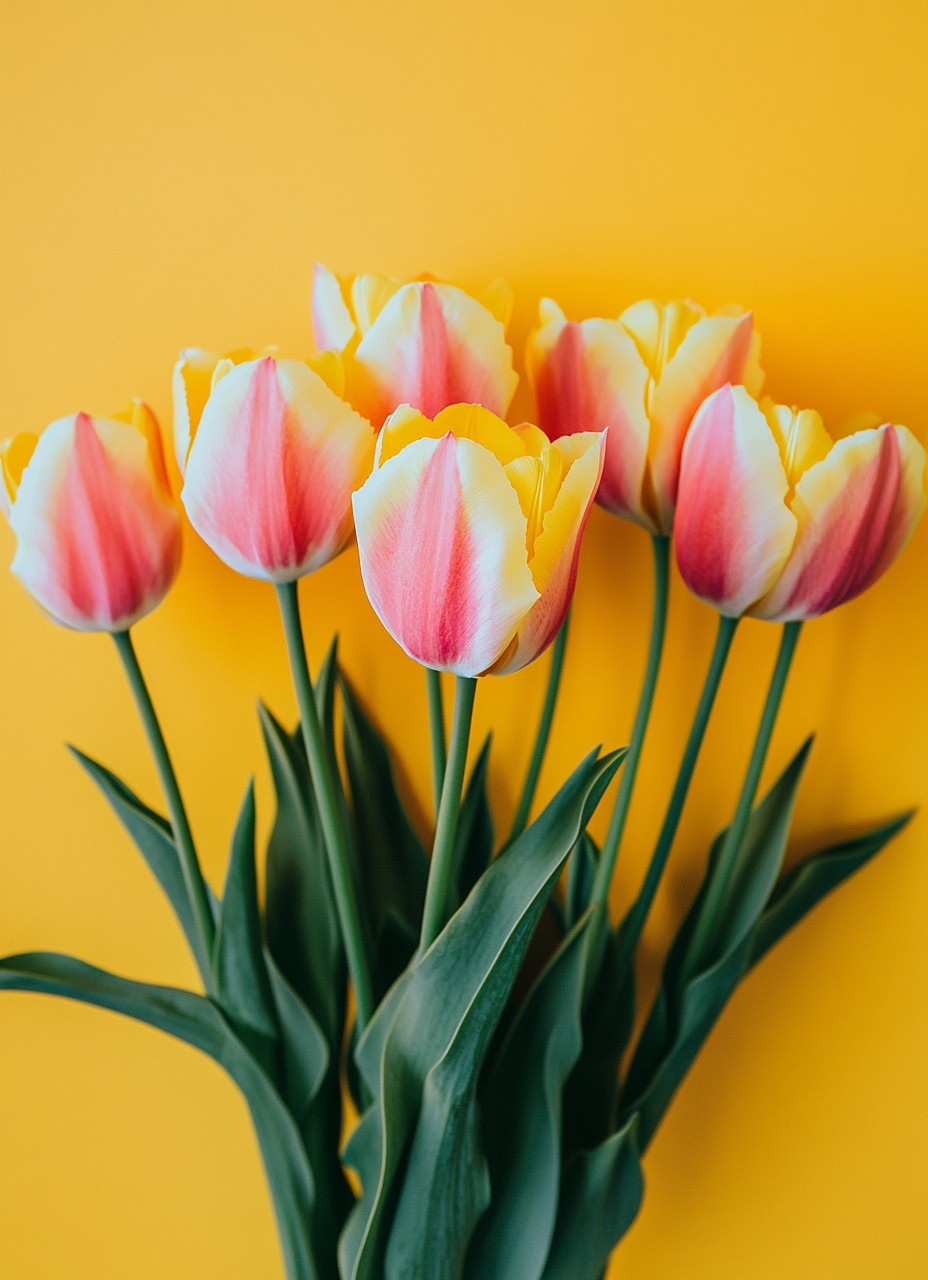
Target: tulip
196,372
425,343
777,520
643,377
469,535
98,537
271,468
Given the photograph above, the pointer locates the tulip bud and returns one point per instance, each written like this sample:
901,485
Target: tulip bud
469,535
776,520
98,539
427,344
641,377
271,469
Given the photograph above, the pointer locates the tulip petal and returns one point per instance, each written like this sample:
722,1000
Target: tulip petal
556,549
191,385
733,531
431,346
271,470
856,510
591,377
442,545
714,351
333,324
15,454
499,299
98,537
370,293
800,435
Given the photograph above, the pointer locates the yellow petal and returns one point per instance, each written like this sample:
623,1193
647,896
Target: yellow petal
370,293
658,329
473,422
139,415
14,458
498,298
191,385
800,435
404,425
331,369
532,437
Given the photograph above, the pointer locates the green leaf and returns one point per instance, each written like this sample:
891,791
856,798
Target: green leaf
600,1197
244,988
473,843
581,871
196,1020
152,836
686,1009
304,939
300,916
806,884
608,1018
305,1052
521,1121
424,1048
393,865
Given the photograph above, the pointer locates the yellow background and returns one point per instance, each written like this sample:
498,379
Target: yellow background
170,171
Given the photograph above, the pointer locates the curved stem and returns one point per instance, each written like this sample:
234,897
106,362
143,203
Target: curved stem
661,548
436,733
442,864
520,821
632,925
180,825
703,936
333,832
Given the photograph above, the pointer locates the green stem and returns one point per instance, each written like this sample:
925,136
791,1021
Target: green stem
442,864
541,738
633,923
704,934
437,733
183,837
333,832
604,872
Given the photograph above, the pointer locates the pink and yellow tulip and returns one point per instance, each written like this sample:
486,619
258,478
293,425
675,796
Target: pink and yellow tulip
469,533
271,467
98,538
425,343
641,377
777,520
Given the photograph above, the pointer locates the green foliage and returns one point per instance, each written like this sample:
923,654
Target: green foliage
499,1140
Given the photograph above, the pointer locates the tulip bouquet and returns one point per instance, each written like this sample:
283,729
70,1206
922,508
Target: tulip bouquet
503,1100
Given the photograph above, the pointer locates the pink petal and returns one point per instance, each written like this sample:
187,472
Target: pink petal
441,538
733,530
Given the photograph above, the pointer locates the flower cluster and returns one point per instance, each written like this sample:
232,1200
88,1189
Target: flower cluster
468,529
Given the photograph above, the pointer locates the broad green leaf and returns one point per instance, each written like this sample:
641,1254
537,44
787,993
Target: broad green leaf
300,916
305,1052
152,836
608,1017
581,870
759,860
521,1122
244,988
442,1013
392,863
473,844
806,884
600,1196
304,939
685,1010
196,1020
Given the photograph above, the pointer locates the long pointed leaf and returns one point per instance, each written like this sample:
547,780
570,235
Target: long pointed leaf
152,836
600,1198
521,1122
241,974
446,1006
392,863
196,1020
808,882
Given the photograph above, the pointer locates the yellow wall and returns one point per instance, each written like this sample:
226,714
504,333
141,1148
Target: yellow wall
170,171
